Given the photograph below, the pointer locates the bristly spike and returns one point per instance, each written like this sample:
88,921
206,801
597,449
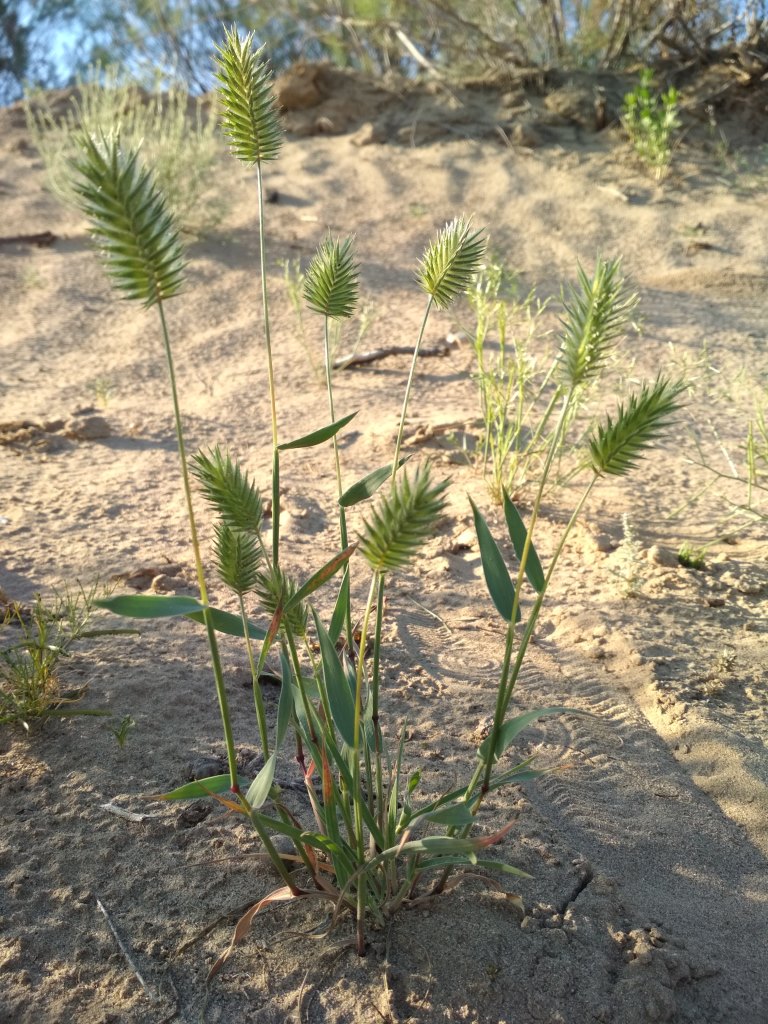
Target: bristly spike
451,261
616,446
137,235
275,590
238,558
331,281
228,489
402,521
597,314
250,117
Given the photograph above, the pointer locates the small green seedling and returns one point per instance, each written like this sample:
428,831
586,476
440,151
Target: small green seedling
691,557
121,731
34,643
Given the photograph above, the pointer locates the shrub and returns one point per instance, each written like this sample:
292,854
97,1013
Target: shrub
651,120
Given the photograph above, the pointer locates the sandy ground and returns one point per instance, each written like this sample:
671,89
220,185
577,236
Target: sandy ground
649,897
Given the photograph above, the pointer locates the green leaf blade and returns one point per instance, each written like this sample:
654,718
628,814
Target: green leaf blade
317,436
150,606
322,576
369,484
201,788
512,728
518,535
259,789
497,577
226,622
337,687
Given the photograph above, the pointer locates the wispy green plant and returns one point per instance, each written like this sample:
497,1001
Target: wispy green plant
34,644
521,389
177,136
370,842
651,120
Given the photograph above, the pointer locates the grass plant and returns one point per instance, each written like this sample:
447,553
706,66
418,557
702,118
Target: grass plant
651,120
177,134
34,643
369,843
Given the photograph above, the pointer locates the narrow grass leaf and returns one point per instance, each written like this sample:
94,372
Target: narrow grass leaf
200,788
337,686
518,535
321,576
317,436
497,579
440,845
339,610
368,486
285,704
514,726
258,791
149,606
457,814
500,865
269,639
226,622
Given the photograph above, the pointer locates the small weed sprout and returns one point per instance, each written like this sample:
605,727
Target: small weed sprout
371,842
102,389
35,641
650,120
691,557
120,732
629,561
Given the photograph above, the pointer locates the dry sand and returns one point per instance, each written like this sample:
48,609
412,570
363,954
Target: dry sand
649,897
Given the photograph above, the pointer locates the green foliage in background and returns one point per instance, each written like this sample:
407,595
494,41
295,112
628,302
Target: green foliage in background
651,120
451,38
177,136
